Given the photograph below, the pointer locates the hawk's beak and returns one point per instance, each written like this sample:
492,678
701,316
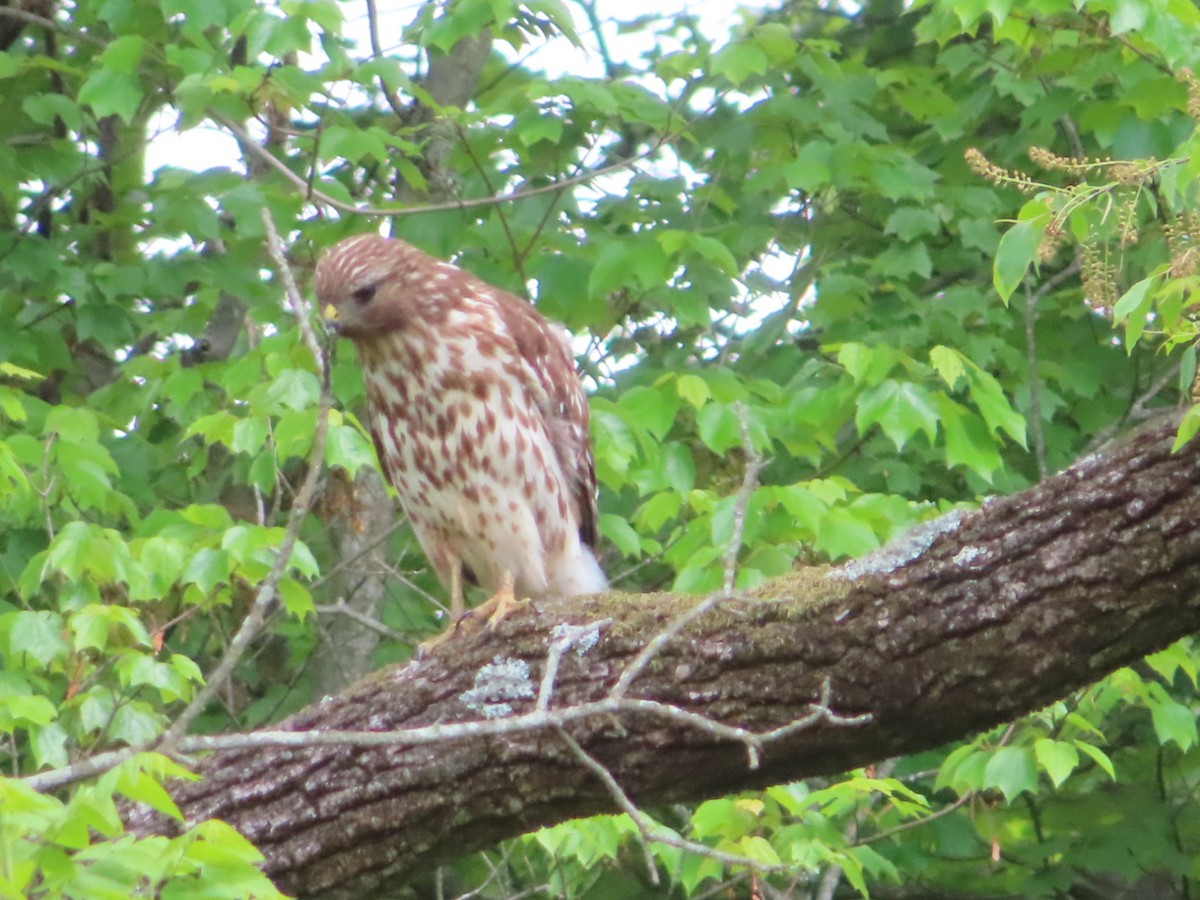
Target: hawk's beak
331,317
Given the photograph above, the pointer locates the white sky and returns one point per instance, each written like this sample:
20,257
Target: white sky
205,146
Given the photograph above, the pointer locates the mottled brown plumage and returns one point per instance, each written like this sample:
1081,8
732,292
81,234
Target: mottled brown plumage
478,417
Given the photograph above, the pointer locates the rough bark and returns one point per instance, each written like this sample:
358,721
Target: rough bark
962,626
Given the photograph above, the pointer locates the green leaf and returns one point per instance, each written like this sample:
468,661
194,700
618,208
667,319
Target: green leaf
207,569
1099,756
810,170
777,42
1179,657
1012,770
867,365
621,533
142,786
36,634
739,62
28,709
353,143
249,435
627,264
993,405
649,409
198,14
718,427
693,389
844,534
1133,308
296,598
296,389
346,447
968,441
10,65
45,108
899,408
1016,253
215,428
948,363
49,743
911,222
539,126
757,848
1058,759
135,724
110,93
1128,15
123,54
1173,721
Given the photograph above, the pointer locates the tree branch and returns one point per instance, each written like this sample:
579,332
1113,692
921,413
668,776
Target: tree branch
962,625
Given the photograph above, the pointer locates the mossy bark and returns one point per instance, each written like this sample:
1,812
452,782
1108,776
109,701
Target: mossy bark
1002,611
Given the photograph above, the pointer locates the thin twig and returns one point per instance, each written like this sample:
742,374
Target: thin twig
916,823
573,636
647,827
538,719
297,302
267,591
377,53
532,721
315,195
81,770
1035,385
1035,382
660,640
342,608
754,465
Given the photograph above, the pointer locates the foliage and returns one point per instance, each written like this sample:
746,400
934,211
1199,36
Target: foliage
803,223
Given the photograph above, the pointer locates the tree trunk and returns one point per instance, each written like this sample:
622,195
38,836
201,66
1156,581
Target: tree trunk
964,624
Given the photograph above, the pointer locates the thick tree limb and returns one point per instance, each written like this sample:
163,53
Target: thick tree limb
981,618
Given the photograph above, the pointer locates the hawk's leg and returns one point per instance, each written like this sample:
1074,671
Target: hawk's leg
457,607
457,604
501,603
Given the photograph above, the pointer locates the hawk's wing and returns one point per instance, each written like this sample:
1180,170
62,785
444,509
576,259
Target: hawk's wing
554,387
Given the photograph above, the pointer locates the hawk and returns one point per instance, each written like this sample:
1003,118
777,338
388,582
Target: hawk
478,418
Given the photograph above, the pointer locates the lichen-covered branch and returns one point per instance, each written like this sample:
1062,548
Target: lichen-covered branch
974,621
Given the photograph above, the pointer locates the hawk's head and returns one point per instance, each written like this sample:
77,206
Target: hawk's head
368,285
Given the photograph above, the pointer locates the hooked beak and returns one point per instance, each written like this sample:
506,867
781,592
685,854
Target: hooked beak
331,318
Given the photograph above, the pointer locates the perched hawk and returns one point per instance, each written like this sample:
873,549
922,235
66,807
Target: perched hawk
478,417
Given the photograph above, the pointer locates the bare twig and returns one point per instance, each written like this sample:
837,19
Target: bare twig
342,608
646,827
265,596
538,719
1035,383
660,640
916,823
377,53
310,193
80,770
754,465
649,829
299,306
571,636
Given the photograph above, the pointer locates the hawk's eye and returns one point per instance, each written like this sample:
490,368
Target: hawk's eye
364,295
